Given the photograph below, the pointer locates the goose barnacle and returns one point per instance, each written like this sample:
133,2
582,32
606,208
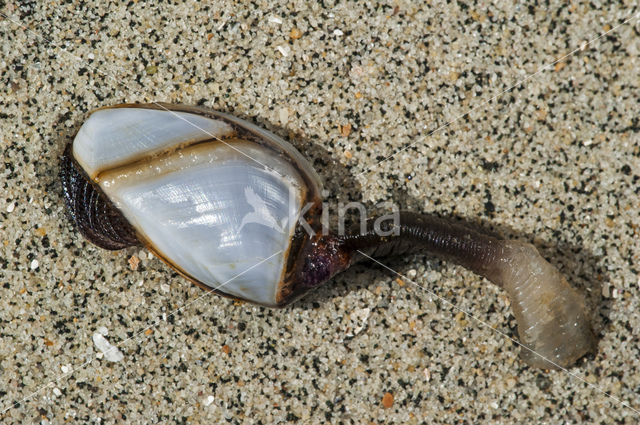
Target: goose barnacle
237,210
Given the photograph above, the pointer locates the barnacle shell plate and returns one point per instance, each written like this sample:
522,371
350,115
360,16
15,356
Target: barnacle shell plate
218,206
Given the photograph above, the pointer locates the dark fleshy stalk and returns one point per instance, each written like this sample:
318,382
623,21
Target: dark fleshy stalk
553,320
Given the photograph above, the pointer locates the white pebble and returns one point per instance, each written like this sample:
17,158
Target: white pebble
111,352
275,20
57,392
208,400
34,264
91,56
165,288
283,115
427,374
361,315
411,274
284,50
338,33
11,207
64,368
142,255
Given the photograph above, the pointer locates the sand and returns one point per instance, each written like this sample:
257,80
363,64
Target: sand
519,119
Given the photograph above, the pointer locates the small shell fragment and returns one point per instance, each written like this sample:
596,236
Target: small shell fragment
283,114
134,262
207,401
111,352
284,50
362,316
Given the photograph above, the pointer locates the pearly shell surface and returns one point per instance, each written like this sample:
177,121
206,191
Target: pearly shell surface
219,207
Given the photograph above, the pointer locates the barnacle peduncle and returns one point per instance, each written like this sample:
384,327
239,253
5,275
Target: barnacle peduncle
553,321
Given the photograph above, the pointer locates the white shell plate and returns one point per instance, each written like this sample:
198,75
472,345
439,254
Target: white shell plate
112,137
223,214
